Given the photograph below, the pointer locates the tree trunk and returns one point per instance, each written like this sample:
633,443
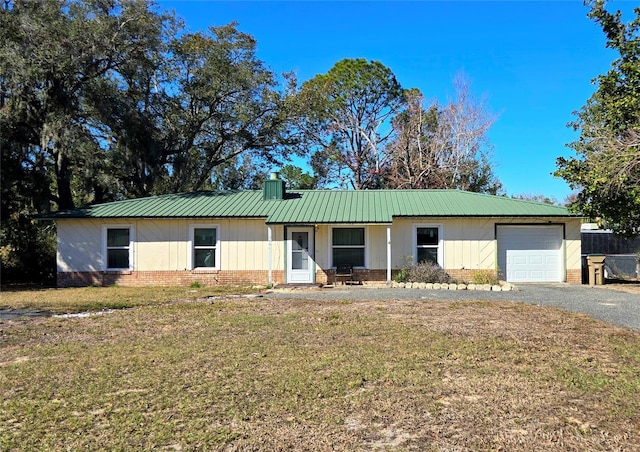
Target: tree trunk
63,178
98,194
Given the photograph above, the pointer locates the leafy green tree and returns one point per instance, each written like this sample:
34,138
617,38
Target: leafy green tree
208,103
53,55
344,114
297,179
27,247
238,173
27,250
229,106
107,100
606,168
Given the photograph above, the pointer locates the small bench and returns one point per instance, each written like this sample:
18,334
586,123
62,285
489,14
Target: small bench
344,272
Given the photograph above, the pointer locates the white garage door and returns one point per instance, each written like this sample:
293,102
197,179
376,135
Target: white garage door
530,253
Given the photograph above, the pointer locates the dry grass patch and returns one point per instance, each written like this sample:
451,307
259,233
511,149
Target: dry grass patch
319,375
624,286
62,301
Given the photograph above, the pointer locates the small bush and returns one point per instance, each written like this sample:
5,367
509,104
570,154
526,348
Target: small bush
196,285
401,275
485,277
427,272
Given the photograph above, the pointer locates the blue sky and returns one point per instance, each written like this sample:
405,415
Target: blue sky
532,61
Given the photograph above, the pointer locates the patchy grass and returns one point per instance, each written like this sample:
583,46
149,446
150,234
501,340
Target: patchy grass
264,374
62,301
632,286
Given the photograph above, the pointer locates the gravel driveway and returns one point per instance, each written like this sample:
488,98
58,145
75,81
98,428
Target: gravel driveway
600,302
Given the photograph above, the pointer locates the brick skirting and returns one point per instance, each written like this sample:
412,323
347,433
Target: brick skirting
167,278
231,278
327,276
465,274
574,276
188,277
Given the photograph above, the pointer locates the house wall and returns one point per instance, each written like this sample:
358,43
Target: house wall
376,240
470,245
322,240
160,251
79,245
378,246
573,251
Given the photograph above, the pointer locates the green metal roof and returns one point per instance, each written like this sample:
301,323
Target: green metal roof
320,206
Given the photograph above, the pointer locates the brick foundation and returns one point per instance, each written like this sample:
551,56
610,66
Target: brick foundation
324,276
206,278
233,278
574,276
328,276
466,275
167,278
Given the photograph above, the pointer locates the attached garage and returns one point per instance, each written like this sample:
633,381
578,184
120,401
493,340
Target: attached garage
530,253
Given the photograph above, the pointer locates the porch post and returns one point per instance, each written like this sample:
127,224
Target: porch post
269,255
388,253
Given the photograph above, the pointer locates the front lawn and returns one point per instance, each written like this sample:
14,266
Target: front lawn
267,374
82,299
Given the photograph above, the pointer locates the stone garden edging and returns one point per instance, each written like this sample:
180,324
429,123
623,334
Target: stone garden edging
502,286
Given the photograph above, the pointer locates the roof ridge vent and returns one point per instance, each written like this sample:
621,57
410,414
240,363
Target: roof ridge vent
274,188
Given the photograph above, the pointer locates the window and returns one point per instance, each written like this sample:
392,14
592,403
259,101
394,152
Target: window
204,246
117,240
348,245
428,246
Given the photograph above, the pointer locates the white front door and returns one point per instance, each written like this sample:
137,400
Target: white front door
300,265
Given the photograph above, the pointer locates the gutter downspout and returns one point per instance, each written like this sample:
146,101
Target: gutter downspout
269,256
388,253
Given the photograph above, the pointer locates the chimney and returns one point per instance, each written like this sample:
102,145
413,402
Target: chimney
273,188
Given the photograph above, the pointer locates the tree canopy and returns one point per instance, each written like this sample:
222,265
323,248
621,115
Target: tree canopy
442,145
108,100
606,168
56,56
113,102
343,114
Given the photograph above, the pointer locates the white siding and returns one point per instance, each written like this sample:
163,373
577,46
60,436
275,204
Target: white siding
572,245
162,244
322,246
79,245
377,244
468,243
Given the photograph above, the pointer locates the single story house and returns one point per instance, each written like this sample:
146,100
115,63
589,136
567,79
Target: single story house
277,236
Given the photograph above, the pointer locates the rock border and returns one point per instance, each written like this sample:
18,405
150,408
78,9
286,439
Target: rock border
502,286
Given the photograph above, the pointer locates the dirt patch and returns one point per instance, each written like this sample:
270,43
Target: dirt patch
625,286
10,314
